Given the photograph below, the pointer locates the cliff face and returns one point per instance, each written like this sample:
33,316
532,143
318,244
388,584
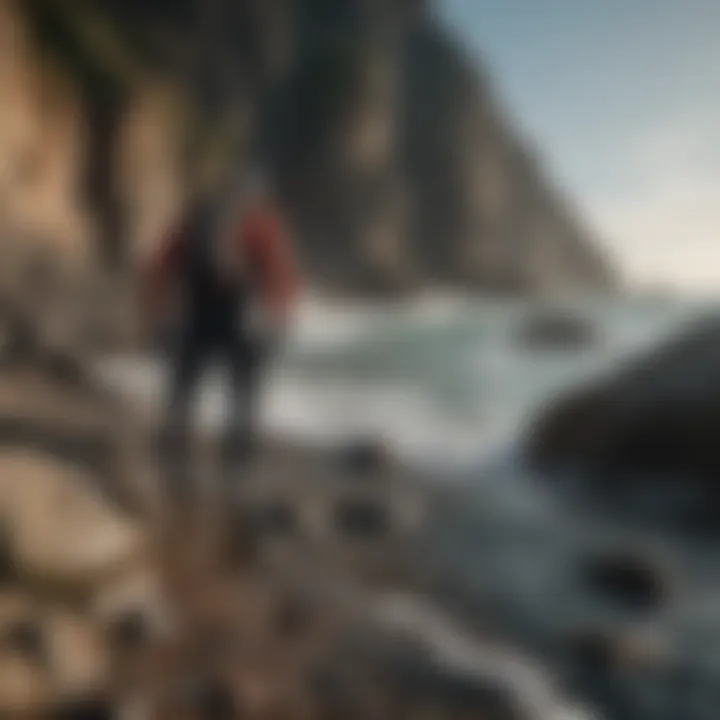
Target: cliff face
390,154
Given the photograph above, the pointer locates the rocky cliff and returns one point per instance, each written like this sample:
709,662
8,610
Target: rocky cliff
390,153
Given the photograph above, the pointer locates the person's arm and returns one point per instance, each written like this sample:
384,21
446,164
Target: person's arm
271,254
162,266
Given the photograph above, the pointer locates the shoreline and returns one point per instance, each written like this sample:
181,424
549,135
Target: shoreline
333,533
421,577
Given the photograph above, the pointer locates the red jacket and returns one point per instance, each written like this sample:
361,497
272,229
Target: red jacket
268,252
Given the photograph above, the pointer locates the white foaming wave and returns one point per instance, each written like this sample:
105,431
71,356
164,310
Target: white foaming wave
328,323
475,399
322,413
405,417
322,324
441,305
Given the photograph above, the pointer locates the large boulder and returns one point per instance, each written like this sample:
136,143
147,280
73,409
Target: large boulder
58,528
653,424
52,400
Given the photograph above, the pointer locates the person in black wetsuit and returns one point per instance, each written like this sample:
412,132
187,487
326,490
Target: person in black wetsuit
231,260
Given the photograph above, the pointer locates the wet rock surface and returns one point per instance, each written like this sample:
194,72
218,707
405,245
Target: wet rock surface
627,578
254,595
365,458
643,441
362,518
259,598
511,553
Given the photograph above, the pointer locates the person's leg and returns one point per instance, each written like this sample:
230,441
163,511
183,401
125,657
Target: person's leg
185,371
246,361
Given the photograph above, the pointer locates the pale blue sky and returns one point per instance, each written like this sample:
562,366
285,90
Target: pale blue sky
623,98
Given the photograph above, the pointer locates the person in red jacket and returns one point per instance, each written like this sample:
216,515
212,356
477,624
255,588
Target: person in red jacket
231,258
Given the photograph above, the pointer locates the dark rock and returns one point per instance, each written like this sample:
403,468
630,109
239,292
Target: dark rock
66,369
365,458
19,334
130,630
212,700
591,650
628,578
362,518
238,451
463,693
8,567
273,518
292,617
648,432
569,432
86,709
241,541
27,638
334,694
556,331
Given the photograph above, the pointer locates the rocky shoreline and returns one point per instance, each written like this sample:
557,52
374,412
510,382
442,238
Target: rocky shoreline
291,590
324,583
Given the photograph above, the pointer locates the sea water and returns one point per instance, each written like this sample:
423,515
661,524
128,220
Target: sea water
443,379
450,384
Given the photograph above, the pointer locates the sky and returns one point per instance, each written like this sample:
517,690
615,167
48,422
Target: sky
623,99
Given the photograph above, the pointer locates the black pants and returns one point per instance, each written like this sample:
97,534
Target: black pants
200,344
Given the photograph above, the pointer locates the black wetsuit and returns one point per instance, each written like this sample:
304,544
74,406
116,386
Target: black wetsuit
214,328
